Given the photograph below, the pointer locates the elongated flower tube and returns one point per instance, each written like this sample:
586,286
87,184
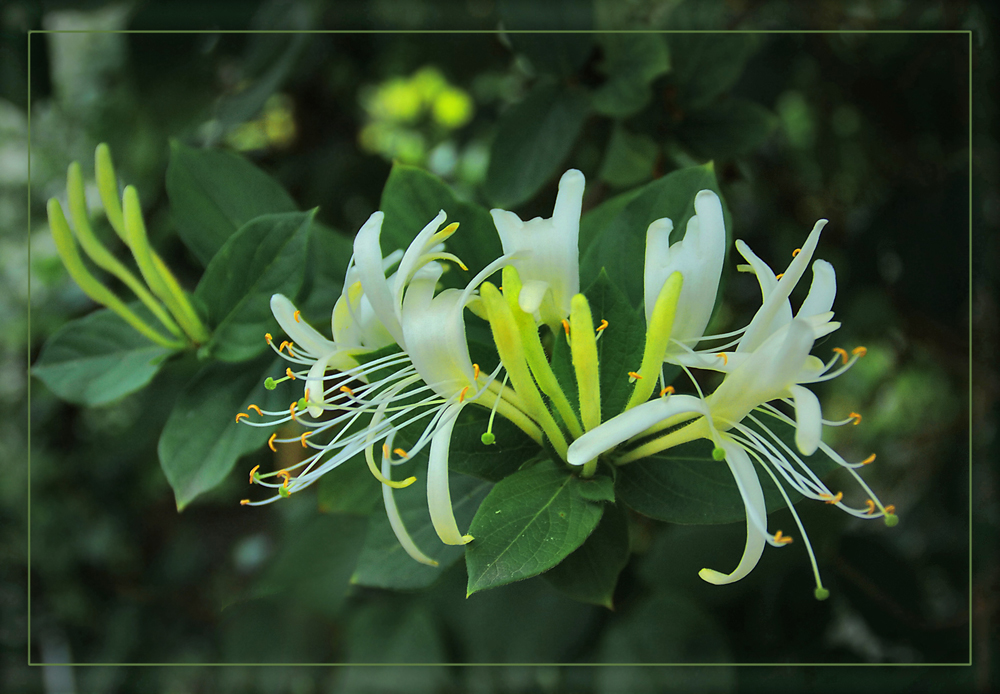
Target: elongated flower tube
546,252
771,372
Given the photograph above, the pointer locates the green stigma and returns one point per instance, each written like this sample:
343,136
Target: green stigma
269,383
488,438
821,593
719,453
283,492
891,519
301,404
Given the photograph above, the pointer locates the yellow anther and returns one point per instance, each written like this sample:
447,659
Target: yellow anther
288,372
871,506
305,395
634,375
461,396
285,476
291,409
296,316
244,502
385,451
565,324
255,409
302,438
602,326
254,472
724,358
242,414
668,389
779,275
856,417
290,352
462,265
285,343
832,499
796,252
782,539
270,442
268,338
401,453
475,372
842,352
860,351
345,389
869,460
889,509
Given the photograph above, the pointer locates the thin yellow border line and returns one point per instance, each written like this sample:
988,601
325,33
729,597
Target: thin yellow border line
968,32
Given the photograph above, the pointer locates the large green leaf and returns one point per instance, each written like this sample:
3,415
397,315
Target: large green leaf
553,53
621,247
726,129
629,158
201,443
97,359
412,197
707,65
686,485
590,574
631,62
533,140
266,256
469,455
384,563
349,488
213,193
531,521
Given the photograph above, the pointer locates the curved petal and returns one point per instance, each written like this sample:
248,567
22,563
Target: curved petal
300,332
531,296
808,420
368,264
626,425
396,521
822,291
438,491
756,515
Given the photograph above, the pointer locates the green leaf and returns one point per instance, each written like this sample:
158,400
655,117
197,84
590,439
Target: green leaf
412,197
384,563
686,485
201,443
594,221
349,488
590,574
213,193
266,256
553,53
527,524
632,62
727,129
328,256
315,579
629,159
533,140
621,247
708,65
621,345
469,455
97,359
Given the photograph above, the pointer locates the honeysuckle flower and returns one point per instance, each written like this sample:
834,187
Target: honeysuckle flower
546,252
698,257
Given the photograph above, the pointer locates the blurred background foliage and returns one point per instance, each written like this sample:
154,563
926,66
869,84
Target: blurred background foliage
868,130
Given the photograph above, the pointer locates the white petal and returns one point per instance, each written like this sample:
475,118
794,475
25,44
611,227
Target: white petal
569,199
368,262
808,420
410,263
300,332
532,294
438,492
822,291
656,261
756,515
626,425
396,521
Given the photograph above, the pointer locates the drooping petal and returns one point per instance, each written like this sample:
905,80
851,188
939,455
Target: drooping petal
301,333
808,420
368,263
756,515
438,491
396,521
622,427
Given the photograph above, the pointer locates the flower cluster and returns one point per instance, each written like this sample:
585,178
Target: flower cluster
399,359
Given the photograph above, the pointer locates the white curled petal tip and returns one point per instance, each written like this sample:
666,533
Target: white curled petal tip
531,296
822,291
438,491
569,199
300,332
628,424
808,420
396,521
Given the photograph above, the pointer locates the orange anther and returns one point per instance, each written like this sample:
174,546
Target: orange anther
602,326
724,358
796,252
869,460
633,374
254,472
255,409
296,316
779,275
475,372
842,352
345,389
385,451
285,476
400,452
871,506
291,409
782,539
305,395
242,414
285,343
461,396
856,417
832,499
290,352
565,324
268,338
890,509
244,502
270,442
860,351
668,389
288,372
302,438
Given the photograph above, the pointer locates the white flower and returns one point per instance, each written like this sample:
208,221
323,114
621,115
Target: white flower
546,252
